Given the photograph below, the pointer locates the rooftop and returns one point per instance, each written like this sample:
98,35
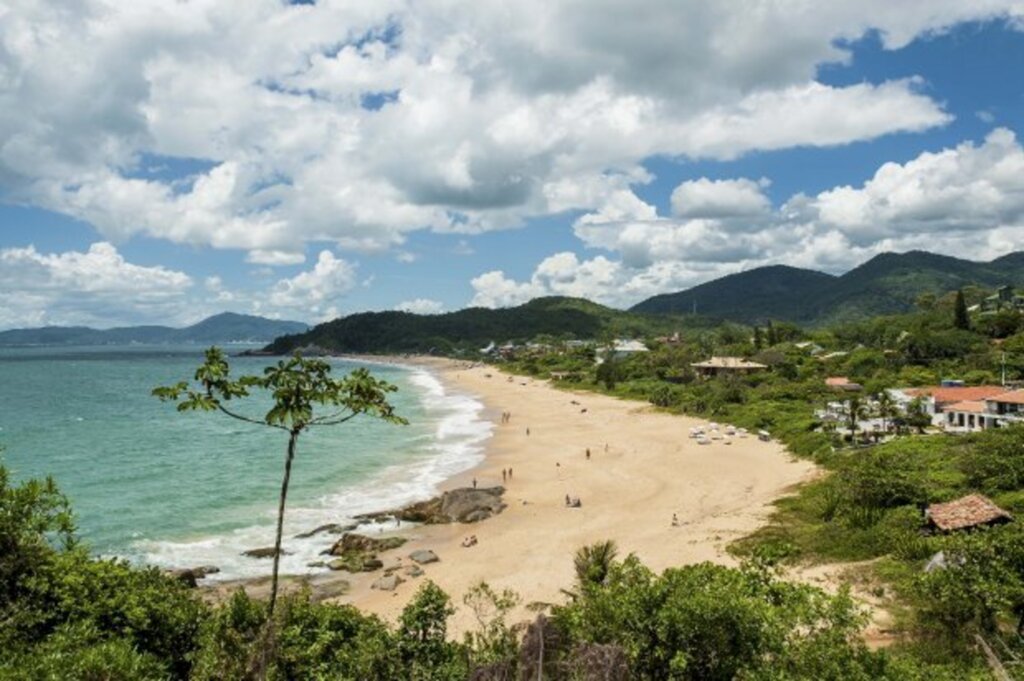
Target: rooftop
970,393
1012,397
728,363
968,406
969,511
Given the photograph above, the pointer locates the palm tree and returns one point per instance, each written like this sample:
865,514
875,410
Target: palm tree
886,408
855,411
594,562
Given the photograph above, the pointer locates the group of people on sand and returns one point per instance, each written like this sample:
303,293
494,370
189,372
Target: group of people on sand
506,417
469,541
573,502
506,474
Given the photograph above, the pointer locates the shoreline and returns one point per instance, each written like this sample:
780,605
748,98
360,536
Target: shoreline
629,493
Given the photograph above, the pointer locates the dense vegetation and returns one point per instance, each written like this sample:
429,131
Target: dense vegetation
887,284
472,328
64,615
221,328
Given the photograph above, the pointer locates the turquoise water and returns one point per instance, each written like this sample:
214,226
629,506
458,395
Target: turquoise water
157,486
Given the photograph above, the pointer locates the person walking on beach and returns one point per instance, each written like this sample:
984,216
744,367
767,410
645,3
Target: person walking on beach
510,474
474,483
504,476
588,453
675,520
527,432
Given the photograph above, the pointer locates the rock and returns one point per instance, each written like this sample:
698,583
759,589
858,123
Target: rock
459,505
360,543
424,556
338,564
413,570
316,564
329,528
183,575
265,552
371,564
387,583
204,570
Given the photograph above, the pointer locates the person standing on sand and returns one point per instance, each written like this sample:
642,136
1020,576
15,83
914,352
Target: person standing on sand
675,520
474,483
527,432
588,453
510,474
504,476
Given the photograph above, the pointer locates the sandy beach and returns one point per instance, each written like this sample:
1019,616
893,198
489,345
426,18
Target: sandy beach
643,469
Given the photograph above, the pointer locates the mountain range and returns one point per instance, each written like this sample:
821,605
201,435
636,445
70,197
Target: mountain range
227,327
887,284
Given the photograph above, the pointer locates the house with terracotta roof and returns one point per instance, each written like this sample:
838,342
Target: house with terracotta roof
973,510
951,406
718,366
994,411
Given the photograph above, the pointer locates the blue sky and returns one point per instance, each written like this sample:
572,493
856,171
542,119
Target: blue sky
428,160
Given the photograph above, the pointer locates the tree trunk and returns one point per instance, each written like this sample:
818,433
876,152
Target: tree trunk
292,439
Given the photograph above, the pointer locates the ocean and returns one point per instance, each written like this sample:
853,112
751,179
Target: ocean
156,486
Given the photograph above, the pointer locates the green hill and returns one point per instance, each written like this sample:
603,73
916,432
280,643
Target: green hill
475,327
226,327
887,284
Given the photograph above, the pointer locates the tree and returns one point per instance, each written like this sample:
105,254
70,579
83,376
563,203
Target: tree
758,339
855,411
960,318
593,562
304,396
886,408
772,337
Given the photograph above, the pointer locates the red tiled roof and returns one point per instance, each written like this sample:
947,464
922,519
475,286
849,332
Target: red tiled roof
969,406
969,511
1012,397
836,381
957,394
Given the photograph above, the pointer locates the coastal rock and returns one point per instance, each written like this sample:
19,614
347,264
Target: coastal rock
329,528
360,543
191,576
332,589
316,564
469,505
338,564
424,556
387,583
265,552
371,564
413,571
463,505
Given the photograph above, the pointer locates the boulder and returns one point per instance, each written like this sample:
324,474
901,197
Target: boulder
316,564
183,575
424,556
331,589
204,570
469,505
338,564
413,571
329,528
371,564
360,543
265,552
387,583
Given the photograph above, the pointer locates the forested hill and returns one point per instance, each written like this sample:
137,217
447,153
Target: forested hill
888,283
227,327
473,328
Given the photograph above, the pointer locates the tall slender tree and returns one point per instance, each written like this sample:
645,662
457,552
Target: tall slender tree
961,319
304,396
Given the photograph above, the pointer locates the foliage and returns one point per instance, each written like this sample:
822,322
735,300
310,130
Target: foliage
304,396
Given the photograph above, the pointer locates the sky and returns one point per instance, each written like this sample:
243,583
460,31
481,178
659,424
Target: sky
164,160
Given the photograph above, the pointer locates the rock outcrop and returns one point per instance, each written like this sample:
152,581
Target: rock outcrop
265,552
462,505
424,556
329,528
387,583
358,553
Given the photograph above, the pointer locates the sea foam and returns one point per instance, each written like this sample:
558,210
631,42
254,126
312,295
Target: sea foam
456,445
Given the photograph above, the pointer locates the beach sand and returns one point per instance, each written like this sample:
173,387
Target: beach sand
643,468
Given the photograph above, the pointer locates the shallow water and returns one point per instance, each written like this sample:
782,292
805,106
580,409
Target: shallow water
154,485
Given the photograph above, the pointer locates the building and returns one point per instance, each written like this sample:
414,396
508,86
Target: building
843,383
995,411
1003,299
964,513
938,400
718,366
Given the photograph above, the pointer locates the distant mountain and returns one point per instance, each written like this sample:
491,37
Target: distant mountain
888,283
226,327
787,291
380,332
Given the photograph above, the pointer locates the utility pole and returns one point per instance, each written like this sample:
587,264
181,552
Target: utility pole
1004,368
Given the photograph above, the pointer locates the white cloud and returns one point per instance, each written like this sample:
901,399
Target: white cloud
316,293
966,201
421,306
704,198
94,287
483,113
